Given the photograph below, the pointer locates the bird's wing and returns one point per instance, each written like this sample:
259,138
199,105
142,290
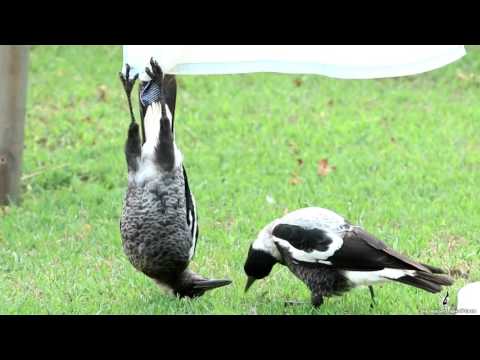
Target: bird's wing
191,213
170,84
309,245
355,250
362,251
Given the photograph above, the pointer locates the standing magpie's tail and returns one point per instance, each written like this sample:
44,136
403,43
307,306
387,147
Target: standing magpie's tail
431,282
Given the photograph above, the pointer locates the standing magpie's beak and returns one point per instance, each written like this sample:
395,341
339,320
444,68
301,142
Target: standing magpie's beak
250,281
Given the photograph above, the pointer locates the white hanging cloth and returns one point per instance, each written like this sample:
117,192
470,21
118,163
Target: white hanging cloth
337,61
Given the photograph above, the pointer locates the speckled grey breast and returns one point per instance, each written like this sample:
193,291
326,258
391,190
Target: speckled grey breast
154,231
322,280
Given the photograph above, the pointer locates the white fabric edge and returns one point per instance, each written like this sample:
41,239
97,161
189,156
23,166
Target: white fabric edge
333,71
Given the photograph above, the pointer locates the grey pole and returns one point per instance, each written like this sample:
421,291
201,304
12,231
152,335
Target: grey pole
13,90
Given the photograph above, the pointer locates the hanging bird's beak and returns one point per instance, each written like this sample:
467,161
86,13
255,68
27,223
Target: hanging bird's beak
250,281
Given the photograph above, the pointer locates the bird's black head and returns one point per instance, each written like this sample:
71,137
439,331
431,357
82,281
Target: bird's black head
258,265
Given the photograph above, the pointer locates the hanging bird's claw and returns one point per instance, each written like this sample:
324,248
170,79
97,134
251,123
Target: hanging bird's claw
127,83
133,129
156,74
128,86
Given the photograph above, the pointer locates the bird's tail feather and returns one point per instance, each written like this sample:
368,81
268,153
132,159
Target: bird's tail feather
210,284
193,285
426,281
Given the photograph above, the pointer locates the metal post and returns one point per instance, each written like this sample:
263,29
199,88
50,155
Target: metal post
13,90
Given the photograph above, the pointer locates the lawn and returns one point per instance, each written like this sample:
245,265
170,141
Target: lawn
403,155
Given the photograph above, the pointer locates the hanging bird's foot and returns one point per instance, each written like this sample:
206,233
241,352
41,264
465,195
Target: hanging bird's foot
133,130
128,86
156,74
127,83
372,295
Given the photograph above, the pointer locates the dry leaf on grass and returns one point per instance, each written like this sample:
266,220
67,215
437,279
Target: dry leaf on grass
102,93
323,168
455,241
298,82
295,180
87,228
461,271
465,77
293,147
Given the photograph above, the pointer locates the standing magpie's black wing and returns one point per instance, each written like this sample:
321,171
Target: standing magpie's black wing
355,250
307,240
309,245
362,251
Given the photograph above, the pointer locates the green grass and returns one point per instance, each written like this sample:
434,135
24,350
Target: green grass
407,167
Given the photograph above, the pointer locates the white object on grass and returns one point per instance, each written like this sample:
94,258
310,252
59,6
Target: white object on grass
468,299
338,61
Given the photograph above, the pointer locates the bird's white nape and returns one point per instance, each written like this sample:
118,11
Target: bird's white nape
264,241
314,217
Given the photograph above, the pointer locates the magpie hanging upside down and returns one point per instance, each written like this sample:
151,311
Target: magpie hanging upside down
159,222
332,256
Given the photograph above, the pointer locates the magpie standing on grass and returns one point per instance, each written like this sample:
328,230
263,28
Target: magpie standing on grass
332,256
159,223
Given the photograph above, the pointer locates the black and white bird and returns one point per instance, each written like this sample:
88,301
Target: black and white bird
332,256
159,222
